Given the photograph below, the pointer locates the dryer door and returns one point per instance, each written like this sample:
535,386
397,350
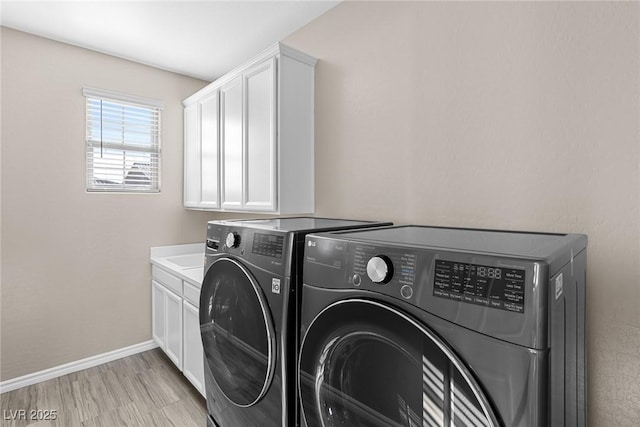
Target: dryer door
364,363
237,332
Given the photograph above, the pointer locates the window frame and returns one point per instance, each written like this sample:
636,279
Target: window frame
155,149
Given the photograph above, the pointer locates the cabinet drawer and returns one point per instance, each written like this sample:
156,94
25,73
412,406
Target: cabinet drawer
172,282
192,294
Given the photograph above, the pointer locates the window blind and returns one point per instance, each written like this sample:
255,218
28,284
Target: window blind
123,142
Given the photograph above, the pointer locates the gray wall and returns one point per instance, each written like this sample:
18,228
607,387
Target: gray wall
75,266
499,115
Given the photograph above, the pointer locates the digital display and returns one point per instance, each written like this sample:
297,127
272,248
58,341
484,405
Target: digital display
492,273
491,286
268,245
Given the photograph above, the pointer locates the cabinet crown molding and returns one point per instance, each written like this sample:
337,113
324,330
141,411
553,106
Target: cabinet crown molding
278,48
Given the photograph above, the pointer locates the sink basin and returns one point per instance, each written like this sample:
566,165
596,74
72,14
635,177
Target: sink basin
187,261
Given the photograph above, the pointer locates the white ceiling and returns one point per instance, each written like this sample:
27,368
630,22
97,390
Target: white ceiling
203,39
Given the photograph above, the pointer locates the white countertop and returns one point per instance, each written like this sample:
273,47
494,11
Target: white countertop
184,261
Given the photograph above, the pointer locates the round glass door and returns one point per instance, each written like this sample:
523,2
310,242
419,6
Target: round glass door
365,364
237,332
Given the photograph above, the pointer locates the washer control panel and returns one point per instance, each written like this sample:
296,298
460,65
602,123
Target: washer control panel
507,297
423,277
264,249
491,286
388,269
270,245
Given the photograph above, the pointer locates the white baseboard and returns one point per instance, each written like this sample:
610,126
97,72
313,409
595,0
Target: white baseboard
78,365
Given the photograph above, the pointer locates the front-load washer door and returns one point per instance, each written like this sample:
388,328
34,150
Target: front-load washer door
237,332
363,363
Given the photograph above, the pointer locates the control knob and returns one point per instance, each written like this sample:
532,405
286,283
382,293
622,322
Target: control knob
380,269
233,240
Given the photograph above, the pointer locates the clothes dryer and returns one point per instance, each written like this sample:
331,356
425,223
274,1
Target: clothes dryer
426,326
248,317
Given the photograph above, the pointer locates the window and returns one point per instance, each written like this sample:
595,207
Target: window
123,142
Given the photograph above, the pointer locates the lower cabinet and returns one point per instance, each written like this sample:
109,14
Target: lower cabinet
192,362
158,313
176,327
173,327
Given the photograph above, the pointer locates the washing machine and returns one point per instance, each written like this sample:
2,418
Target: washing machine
428,326
248,317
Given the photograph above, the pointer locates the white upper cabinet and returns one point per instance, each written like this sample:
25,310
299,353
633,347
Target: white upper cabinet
209,151
192,155
253,149
260,151
201,149
231,136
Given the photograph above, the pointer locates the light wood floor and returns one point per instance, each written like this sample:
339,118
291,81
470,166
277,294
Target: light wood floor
145,389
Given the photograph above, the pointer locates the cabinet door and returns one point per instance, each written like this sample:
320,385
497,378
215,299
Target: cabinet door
173,327
193,361
260,131
209,151
231,143
157,314
191,189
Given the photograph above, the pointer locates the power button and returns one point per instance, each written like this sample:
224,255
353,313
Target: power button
356,280
406,291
